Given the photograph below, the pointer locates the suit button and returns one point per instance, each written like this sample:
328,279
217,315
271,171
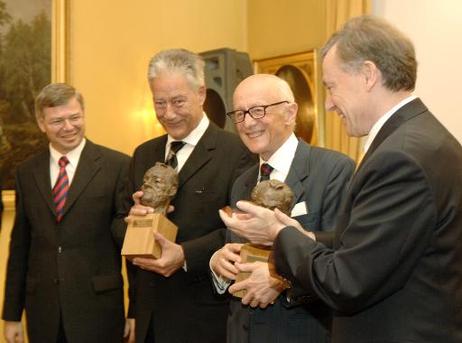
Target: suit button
56,281
60,250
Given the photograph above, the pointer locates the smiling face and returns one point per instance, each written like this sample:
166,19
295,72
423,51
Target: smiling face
177,103
64,125
265,135
347,95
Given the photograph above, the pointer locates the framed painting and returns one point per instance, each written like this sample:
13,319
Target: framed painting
302,72
33,52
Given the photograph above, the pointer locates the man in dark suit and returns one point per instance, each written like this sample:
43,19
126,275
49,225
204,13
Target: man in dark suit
265,119
64,266
173,295
395,274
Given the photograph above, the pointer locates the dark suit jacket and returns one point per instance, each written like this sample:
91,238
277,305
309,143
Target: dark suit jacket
183,306
318,177
71,269
396,273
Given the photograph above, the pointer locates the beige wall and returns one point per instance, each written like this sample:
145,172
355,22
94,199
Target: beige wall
435,28
112,42
280,27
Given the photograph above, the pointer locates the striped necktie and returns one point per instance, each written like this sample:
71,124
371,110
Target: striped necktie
171,159
265,171
61,188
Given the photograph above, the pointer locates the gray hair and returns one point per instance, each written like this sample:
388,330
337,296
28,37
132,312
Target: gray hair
56,94
182,61
368,38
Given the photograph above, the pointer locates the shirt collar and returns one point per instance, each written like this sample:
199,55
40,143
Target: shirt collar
195,135
73,155
282,158
383,119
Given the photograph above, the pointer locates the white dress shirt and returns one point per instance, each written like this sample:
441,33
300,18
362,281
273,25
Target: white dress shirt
73,156
383,119
281,160
190,140
183,154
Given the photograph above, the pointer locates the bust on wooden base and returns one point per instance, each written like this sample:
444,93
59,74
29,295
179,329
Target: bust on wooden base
159,187
270,194
139,239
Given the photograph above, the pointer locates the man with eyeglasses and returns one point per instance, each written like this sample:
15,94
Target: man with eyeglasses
264,115
395,274
173,298
64,268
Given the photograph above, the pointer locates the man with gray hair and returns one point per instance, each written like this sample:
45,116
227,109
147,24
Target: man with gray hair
173,300
395,273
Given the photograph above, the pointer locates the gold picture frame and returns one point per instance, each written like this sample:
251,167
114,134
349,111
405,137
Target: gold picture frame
60,41
59,64
303,73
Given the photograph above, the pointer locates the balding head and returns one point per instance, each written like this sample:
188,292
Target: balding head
270,126
267,83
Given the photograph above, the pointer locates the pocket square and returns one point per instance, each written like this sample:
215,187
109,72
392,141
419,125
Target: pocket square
299,209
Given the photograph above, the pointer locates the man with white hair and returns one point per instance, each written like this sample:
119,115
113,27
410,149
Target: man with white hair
265,113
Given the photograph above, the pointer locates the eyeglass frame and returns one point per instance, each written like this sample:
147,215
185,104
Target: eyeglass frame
249,111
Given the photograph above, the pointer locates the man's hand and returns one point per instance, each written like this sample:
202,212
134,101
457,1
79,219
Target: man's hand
13,332
129,330
259,225
138,209
261,288
288,221
170,261
223,260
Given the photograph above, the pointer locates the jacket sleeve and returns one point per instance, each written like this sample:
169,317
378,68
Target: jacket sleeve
15,285
380,238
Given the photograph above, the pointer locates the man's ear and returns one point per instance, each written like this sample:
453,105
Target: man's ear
371,74
41,124
291,114
202,92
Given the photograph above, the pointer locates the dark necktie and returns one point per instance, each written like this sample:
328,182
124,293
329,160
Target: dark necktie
265,171
171,159
61,188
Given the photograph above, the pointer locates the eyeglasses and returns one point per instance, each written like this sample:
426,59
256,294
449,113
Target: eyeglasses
256,112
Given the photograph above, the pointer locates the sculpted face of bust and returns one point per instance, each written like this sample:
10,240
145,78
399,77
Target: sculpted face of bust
159,187
273,194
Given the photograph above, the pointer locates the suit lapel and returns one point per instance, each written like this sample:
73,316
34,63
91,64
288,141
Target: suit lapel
250,183
201,154
408,111
89,165
299,171
158,152
42,179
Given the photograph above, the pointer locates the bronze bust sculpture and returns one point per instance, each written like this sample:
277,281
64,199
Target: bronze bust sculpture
159,187
273,194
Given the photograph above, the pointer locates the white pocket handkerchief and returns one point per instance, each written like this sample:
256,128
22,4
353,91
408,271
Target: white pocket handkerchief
299,209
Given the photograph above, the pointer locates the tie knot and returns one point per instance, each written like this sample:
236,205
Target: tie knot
63,161
175,146
265,171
